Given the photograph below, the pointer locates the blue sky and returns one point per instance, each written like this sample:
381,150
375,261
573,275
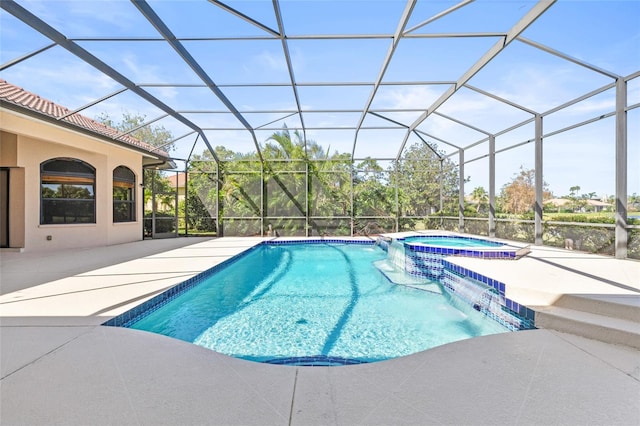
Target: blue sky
602,33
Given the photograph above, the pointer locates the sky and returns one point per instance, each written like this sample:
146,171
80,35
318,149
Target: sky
604,34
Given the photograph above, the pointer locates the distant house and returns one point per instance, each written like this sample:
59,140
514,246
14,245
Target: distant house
179,182
559,202
579,205
67,180
599,206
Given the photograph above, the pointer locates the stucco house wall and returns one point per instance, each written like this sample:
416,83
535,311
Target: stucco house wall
26,142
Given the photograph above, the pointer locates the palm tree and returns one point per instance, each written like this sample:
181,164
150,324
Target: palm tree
480,196
287,183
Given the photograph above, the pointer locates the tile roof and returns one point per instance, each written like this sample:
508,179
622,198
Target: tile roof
177,180
20,97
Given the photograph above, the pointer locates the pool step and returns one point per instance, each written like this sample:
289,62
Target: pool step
612,305
400,277
608,318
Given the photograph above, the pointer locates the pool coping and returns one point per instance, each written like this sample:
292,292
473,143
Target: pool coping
109,375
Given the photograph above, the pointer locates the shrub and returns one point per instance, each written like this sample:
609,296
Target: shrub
165,222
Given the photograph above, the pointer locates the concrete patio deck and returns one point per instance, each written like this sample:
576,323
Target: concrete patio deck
59,366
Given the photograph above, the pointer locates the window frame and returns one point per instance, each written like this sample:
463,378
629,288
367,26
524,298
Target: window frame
66,179
130,201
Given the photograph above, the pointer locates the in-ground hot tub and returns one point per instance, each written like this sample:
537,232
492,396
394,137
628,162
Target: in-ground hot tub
456,245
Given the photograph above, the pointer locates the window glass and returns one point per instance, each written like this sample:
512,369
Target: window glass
124,206
67,192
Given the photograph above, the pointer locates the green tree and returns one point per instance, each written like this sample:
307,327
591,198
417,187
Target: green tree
154,135
481,197
154,181
373,198
308,168
286,180
200,207
421,174
633,202
294,169
234,185
574,191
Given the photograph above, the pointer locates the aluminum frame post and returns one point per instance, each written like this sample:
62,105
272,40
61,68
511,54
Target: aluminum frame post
219,214
153,204
186,197
492,186
176,201
441,189
352,209
397,189
539,181
263,198
621,235
307,200
461,191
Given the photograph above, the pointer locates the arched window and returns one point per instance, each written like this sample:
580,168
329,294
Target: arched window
124,205
67,192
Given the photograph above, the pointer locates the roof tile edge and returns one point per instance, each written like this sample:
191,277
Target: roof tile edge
28,100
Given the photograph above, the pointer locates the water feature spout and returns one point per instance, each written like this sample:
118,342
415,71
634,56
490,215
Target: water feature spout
396,255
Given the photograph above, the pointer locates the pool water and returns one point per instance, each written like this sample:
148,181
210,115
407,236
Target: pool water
447,241
280,302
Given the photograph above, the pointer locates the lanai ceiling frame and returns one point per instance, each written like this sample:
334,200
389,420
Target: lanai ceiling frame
175,43
287,56
94,102
491,153
621,108
280,34
170,38
534,13
400,33
48,31
406,14
557,108
26,56
271,33
376,84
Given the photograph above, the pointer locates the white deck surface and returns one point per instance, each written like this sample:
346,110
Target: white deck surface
59,366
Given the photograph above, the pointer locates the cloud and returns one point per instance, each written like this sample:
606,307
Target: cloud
76,82
146,73
79,18
541,87
271,60
600,105
420,97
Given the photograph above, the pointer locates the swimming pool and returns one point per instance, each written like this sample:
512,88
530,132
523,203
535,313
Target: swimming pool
312,304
